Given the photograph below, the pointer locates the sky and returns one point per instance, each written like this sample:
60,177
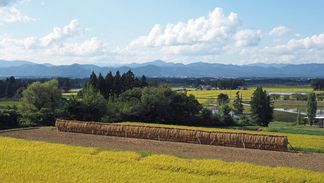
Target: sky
106,32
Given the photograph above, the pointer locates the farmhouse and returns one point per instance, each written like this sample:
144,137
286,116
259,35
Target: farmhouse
241,88
181,89
205,87
286,93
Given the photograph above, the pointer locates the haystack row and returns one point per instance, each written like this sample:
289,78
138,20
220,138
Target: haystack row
246,140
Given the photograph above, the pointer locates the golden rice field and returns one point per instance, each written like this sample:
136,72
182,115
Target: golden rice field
35,161
296,140
69,94
204,95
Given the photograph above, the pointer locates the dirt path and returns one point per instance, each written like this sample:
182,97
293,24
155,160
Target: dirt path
308,161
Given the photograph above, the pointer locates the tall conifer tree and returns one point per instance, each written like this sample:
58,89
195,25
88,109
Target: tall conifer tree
311,107
261,107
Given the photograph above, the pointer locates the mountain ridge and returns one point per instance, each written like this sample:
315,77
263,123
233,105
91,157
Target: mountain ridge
160,68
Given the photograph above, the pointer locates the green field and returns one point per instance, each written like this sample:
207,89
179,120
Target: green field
5,103
296,104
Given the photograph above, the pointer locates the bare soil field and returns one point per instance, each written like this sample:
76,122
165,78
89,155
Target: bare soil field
308,161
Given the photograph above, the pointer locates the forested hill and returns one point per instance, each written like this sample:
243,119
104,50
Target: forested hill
162,69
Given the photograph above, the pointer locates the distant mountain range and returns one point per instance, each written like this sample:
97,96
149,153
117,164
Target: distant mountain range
160,68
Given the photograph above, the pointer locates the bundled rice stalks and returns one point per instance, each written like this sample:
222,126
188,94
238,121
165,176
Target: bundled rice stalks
245,140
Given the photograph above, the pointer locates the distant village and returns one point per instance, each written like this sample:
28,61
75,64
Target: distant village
209,87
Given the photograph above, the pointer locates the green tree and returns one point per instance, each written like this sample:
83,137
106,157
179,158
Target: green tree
154,105
117,85
152,82
225,114
261,107
275,96
9,118
42,99
128,80
136,82
299,119
317,84
2,88
311,107
93,80
66,86
222,99
94,105
143,82
73,109
11,87
109,79
101,84
238,104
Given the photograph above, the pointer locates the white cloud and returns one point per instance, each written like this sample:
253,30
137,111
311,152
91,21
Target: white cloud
307,50
315,42
278,31
211,35
247,38
216,28
58,34
210,58
12,14
55,43
23,1
57,37
281,30
89,47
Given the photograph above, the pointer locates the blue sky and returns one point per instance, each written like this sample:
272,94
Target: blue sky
107,32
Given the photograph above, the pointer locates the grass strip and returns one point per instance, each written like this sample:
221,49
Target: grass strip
305,149
19,129
295,131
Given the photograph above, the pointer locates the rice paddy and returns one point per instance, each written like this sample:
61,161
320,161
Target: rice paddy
35,161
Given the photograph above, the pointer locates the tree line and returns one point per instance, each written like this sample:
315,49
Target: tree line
112,99
10,86
123,97
317,84
221,84
117,84
13,88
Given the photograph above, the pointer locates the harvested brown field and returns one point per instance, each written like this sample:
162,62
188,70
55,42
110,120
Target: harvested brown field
308,161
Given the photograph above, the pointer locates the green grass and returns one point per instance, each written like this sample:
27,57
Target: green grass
295,131
305,149
289,124
279,124
20,129
295,104
5,103
285,116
